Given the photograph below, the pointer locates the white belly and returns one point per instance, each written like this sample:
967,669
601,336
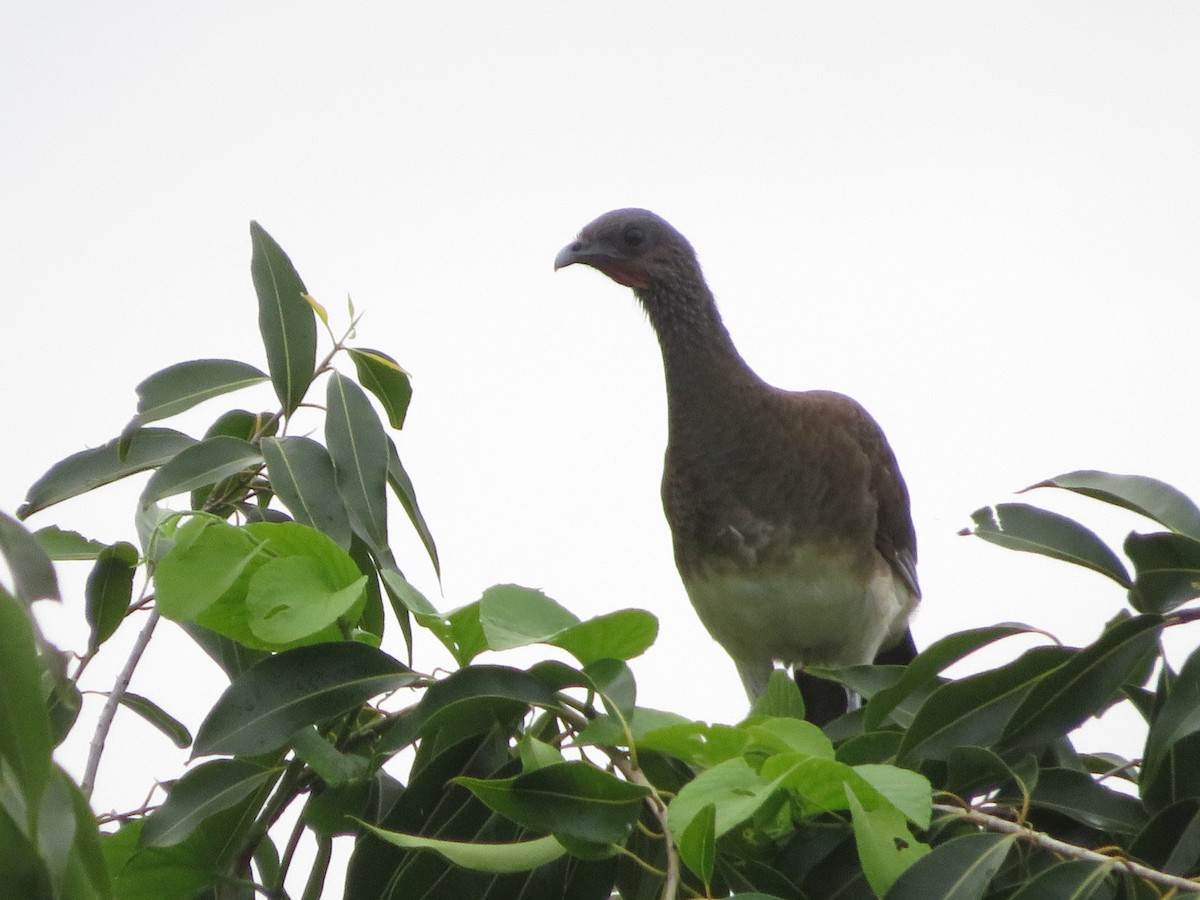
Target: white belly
818,611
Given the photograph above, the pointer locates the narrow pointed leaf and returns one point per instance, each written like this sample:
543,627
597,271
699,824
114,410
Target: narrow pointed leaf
1166,570
358,447
574,799
698,844
499,859
286,321
158,717
1150,497
184,385
384,377
1019,526
1084,685
1076,879
199,795
302,477
109,591
1177,719
25,744
1078,796
973,711
200,465
402,486
932,660
59,544
33,575
81,472
278,696
960,869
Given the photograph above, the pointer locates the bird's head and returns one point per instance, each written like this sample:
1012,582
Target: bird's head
633,247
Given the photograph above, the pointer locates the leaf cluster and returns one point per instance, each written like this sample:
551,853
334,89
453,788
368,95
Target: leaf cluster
272,551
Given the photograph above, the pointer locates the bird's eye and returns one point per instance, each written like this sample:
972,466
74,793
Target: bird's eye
633,236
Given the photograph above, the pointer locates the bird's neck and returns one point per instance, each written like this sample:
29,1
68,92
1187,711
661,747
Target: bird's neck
700,360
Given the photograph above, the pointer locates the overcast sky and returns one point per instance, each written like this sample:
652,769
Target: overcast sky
980,220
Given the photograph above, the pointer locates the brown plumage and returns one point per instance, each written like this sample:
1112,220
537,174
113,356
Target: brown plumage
788,513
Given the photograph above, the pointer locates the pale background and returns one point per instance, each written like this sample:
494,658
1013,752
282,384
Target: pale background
981,220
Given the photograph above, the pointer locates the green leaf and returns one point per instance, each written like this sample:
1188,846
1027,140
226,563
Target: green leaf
938,656
25,744
184,385
208,558
158,717
515,616
698,844
200,794
286,321
1171,840
781,698
960,869
245,425
1019,526
886,847
291,598
1080,797
908,791
1177,719
81,472
275,698
499,859
1166,571
734,789
109,591
402,487
1076,879
335,768
1084,685
302,477
384,377
622,635
574,799
1149,497
973,711
358,446
33,575
59,544
200,465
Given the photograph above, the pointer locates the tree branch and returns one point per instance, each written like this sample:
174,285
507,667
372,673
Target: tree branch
1003,826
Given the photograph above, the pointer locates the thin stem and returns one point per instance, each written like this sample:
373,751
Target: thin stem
320,867
120,686
1003,826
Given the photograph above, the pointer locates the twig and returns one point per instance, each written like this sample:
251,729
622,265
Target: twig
995,823
120,686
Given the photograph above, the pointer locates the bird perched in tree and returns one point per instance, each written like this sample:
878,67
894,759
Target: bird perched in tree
789,517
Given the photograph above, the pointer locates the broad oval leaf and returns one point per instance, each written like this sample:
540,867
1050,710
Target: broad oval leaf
60,544
109,591
286,321
1150,497
358,447
386,379
885,844
200,465
1166,570
574,799
698,844
81,472
302,477
33,576
1019,526
499,859
292,597
514,616
183,385
200,794
622,634
960,869
1078,796
278,696
1084,685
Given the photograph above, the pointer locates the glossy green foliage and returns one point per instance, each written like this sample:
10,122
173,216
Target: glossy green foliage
268,543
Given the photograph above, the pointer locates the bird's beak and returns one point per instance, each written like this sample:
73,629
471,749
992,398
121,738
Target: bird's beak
573,253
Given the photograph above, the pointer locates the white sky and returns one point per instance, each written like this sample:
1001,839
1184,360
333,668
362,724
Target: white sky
981,220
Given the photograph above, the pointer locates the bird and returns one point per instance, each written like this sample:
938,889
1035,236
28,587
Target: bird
789,517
